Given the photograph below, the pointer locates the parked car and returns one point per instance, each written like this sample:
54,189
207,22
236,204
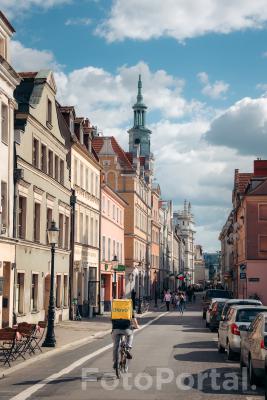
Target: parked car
235,302
209,309
253,348
212,294
215,314
229,334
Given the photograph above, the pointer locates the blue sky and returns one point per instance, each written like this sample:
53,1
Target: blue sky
203,64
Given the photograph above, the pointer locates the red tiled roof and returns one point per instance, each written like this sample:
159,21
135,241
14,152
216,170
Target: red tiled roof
242,181
28,74
124,160
129,156
98,143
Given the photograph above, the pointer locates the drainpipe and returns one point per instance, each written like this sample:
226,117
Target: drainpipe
72,245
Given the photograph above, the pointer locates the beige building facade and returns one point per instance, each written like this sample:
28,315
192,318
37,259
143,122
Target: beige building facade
42,194
9,79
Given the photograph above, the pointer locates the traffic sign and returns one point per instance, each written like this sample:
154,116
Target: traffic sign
243,275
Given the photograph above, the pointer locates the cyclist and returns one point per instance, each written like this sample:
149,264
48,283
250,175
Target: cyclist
123,327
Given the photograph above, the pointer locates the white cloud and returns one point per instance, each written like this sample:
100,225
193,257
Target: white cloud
13,8
78,21
180,19
28,59
107,98
215,90
242,127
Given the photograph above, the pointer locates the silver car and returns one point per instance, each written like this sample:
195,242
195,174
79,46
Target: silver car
238,302
229,334
254,348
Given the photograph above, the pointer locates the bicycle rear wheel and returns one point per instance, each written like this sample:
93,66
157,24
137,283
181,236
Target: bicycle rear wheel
118,370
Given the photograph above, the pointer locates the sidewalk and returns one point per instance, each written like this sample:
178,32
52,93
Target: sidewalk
73,334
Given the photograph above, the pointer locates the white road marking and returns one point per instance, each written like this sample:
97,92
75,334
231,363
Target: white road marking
254,398
25,394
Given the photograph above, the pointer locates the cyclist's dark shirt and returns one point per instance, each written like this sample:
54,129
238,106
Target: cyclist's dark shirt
122,323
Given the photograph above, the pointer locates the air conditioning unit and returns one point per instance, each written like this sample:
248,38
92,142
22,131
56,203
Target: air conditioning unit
3,229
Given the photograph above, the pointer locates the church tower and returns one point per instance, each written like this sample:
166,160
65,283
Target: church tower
139,134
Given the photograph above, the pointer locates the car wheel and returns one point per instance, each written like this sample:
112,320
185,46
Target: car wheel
230,353
220,348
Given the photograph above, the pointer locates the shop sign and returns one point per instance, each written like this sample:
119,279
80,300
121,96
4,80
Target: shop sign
119,268
253,279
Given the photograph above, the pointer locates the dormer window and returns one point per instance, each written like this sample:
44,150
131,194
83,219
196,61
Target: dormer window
49,113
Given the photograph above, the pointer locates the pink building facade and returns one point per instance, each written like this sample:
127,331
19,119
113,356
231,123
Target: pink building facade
112,247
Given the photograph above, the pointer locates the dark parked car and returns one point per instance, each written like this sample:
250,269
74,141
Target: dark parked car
215,315
213,294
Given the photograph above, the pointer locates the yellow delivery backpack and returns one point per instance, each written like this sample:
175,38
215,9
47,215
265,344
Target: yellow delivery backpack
122,309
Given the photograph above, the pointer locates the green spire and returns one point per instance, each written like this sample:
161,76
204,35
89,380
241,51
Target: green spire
139,95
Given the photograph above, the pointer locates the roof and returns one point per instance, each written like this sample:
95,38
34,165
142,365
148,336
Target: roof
4,18
98,143
242,180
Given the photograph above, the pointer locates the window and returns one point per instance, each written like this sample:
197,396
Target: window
86,179
3,47
114,249
108,207
263,212
22,217
91,231
103,248
4,207
118,251
96,186
58,291
56,167
67,225
50,163
61,172
103,204
113,213
109,245
61,230
121,253
96,233
75,227
34,293
4,123
36,222
120,217
87,230
81,175
117,214
35,153
263,243
48,221
75,171
49,111
66,293
20,293
81,228
43,159
92,183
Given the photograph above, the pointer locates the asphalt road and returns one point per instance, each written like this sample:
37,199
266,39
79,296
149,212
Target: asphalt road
174,358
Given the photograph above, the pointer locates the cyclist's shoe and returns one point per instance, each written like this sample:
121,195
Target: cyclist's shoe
114,365
128,354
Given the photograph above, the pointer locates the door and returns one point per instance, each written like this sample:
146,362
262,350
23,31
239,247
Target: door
6,295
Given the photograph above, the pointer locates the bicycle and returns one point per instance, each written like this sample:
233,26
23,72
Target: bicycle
122,364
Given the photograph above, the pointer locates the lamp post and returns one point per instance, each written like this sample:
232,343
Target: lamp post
50,340
139,290
115,260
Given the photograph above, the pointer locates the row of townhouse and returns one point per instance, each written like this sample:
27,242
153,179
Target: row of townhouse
244,235
116,234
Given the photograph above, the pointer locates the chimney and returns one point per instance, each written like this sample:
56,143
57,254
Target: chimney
260,167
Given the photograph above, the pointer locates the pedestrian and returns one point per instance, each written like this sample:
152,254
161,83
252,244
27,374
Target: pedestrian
133,297
181,303
167,299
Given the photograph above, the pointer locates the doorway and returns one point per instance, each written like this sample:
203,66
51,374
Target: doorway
6,295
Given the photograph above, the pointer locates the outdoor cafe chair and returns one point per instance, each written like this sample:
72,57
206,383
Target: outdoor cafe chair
38,336
7,345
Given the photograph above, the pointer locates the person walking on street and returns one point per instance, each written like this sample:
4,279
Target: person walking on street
181,303
167,299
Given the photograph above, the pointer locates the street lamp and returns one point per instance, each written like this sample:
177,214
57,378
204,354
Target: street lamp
50,340
115,260
139,290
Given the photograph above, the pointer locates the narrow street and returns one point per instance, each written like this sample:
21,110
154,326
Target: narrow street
171,356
